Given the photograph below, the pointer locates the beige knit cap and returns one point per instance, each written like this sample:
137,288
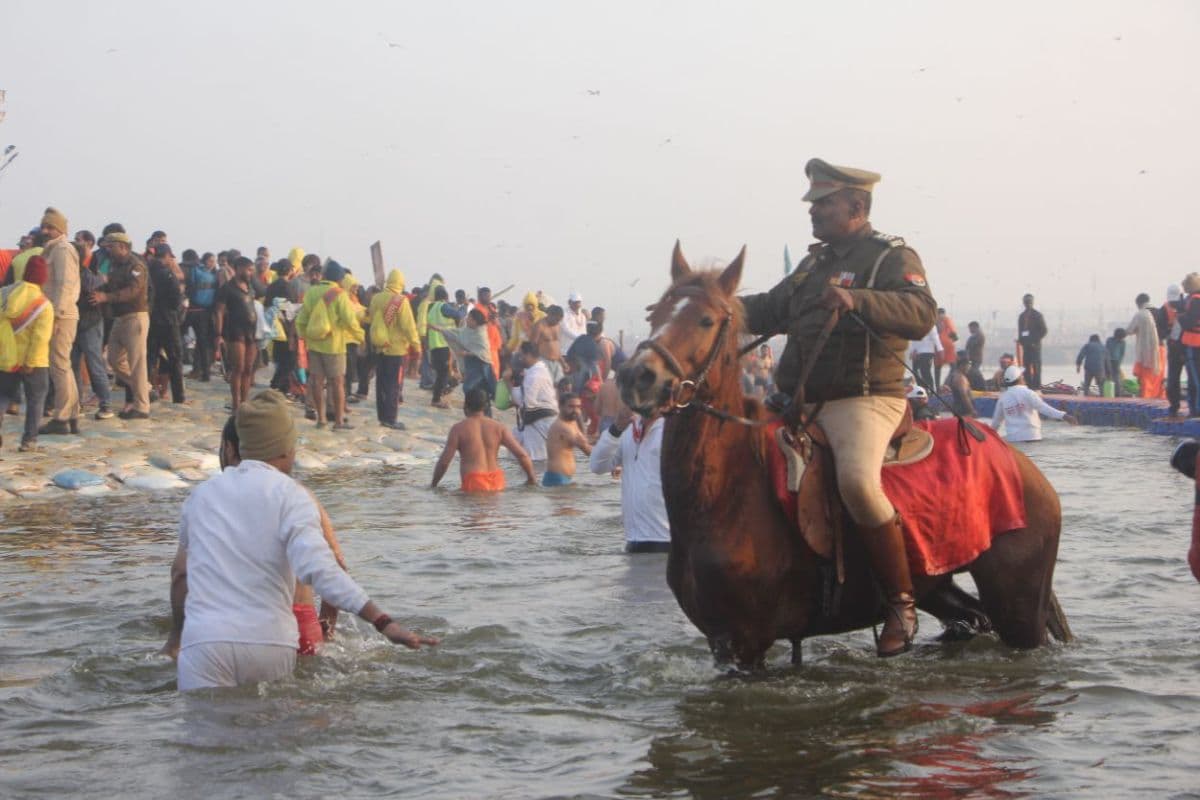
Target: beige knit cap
55,219
265,426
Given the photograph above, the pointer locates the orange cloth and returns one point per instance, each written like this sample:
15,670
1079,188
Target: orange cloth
6,259
948,335
483,481
495,337
1149,381
311,636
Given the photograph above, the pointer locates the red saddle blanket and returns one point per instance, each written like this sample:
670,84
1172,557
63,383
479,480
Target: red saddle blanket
951,503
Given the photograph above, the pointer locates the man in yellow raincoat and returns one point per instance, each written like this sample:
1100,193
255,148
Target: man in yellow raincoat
394,337
25,331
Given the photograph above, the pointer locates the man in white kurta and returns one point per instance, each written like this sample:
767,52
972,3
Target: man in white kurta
574,322
245,537
538,403
635,445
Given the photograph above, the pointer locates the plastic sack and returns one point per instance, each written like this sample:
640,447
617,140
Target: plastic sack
503,396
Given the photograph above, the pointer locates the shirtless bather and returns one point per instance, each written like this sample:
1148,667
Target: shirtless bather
545,335
565,435
477,441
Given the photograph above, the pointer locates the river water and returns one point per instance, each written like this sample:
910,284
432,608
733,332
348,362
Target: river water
568,670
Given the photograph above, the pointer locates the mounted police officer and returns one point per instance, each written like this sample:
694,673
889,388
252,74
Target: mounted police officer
856,382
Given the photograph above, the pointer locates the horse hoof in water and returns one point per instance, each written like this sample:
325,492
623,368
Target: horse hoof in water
957,631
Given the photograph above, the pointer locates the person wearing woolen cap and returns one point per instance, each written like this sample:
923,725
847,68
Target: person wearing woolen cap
62,290
27,365
245,537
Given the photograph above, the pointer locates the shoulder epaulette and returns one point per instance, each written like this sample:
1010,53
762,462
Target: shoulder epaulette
888,239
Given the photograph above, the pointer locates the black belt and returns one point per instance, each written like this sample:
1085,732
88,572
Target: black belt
647,547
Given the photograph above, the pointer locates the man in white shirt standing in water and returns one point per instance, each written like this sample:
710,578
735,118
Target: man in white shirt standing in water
245,537
1018,407
538,403
634,444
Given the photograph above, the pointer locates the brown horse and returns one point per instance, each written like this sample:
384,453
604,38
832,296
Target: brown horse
738,567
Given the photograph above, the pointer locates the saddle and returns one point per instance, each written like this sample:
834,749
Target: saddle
811,476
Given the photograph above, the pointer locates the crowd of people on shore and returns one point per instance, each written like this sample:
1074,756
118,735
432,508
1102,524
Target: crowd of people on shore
89,311
85,311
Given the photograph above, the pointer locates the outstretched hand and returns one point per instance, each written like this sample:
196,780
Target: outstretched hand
398,634
1071,419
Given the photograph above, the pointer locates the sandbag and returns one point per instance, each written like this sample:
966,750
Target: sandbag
75,479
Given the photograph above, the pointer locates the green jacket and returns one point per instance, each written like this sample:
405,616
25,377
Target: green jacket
436,317
899,307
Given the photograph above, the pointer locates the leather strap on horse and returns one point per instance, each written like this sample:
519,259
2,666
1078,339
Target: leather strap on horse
792,416
693,384
965,427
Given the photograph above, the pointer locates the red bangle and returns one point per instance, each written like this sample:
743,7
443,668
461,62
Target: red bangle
382,621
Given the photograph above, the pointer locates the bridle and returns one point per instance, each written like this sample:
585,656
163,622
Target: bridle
685,391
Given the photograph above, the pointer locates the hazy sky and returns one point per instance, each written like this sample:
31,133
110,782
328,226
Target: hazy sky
1044,147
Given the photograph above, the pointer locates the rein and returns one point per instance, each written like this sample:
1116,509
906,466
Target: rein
694,383
691,385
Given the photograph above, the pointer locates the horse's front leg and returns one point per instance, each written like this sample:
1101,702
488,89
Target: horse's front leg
722,650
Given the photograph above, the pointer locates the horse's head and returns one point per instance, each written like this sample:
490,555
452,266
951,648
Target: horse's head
696,320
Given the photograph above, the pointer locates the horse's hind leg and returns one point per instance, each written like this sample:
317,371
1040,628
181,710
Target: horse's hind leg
961,614
1015,576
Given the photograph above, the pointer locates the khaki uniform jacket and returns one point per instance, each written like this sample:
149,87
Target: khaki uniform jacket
127,286
62,282
899,308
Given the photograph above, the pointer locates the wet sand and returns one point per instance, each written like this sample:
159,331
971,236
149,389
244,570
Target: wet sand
177,446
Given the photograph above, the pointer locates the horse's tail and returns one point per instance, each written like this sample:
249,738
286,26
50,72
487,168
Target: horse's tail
1056,621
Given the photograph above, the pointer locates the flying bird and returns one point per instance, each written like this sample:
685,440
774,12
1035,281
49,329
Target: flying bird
634,283
594,92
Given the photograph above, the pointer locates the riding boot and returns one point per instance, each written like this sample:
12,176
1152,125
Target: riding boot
889,562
